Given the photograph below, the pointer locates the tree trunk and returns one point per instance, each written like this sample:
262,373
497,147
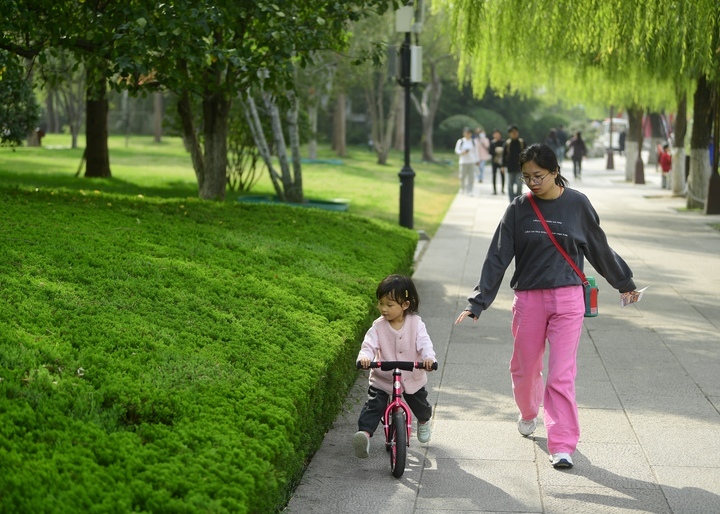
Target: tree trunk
52,122
73,137
382,127
280,146
33,138
97,155
677,181
157,116
313,119
215,130
184,107
658,136
126,114
699,177
295,194
389,126
634,171
253,120
427,108
72,99
375,119
339,126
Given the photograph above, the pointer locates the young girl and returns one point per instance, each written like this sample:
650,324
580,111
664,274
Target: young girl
549,304
397,335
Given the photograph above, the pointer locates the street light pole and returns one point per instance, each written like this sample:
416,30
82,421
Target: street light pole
407,175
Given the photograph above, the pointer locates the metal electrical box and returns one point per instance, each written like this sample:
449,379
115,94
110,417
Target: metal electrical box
404,18
416,66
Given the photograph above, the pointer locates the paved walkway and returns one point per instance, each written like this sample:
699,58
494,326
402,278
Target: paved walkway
648,385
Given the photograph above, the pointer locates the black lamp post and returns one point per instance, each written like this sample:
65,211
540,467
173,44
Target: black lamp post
407,175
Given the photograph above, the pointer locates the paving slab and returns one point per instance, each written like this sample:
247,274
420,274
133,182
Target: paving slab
647,386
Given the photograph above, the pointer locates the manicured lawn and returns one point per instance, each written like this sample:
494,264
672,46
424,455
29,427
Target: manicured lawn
164,169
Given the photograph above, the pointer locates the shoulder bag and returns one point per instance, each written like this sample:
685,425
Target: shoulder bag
589,287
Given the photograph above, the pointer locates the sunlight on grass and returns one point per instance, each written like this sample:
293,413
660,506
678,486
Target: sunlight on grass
141,166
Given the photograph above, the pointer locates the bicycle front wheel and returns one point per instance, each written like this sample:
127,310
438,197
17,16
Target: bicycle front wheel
398,443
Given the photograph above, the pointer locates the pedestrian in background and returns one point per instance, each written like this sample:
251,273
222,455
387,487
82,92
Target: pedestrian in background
549,303
665,165
496,151
562,138
577,150
465,148
621,142
553,142
482,146
511,161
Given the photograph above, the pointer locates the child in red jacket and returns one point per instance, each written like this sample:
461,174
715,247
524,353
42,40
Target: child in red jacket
665,165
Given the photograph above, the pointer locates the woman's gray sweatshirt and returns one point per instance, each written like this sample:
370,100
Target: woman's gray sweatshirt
538,263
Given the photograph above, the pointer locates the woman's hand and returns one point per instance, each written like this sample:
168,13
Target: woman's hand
463,315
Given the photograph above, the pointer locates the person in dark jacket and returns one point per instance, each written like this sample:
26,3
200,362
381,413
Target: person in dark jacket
511,161
549,303
577,150
496,154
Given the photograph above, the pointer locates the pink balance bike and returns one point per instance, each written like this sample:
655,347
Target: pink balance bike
397,420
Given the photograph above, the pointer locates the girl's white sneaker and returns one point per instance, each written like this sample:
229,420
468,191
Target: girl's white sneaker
361,444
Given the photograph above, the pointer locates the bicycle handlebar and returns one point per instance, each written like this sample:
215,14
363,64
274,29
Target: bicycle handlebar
391,365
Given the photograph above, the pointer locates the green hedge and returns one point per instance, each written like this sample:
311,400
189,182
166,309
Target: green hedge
175,355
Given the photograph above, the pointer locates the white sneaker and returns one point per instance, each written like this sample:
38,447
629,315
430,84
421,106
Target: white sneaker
526,428
561,460
361,444
424,432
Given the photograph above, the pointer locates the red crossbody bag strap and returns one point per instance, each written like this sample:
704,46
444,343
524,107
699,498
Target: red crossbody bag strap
552,238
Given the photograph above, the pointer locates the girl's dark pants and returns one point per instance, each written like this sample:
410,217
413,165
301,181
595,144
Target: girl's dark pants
377,401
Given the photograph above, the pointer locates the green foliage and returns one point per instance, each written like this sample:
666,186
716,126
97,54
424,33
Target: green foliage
19,112
451,129
623,52
489,120
175,355
540,129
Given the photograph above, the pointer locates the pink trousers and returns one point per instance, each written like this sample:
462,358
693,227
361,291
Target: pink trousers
555,316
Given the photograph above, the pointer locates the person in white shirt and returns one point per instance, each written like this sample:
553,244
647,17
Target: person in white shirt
482,144
469,161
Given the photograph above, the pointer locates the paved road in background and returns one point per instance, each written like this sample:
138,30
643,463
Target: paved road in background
648,384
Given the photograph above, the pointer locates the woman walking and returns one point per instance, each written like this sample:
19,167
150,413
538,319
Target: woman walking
549,304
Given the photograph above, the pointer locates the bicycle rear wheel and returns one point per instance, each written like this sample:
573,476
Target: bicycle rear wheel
398,440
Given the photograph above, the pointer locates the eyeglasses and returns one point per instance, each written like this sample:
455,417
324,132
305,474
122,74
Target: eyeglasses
533,180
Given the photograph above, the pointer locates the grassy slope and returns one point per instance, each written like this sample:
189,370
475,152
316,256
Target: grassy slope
167,354
170,355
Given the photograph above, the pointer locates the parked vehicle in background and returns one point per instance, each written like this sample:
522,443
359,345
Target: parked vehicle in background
619,125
